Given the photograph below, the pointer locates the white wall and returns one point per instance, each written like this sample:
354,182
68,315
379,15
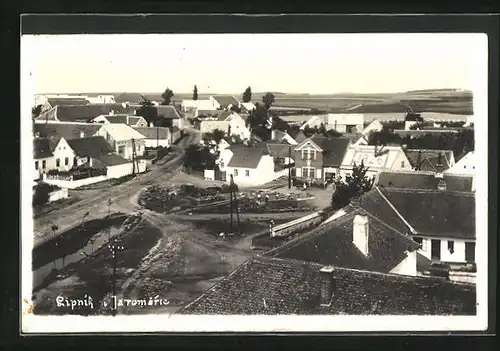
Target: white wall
408,266
457,256
238,127
61,152
118,171
264,173
73,184
408,124
154,143
209,126
466,165
209,174
58,195
397,166
50,163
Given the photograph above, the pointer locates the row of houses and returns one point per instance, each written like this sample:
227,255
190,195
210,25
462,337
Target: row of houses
374,256
48,101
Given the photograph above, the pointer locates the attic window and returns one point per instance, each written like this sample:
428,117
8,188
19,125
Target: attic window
419,241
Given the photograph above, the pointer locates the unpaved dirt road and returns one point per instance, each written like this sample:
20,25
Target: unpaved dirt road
122,196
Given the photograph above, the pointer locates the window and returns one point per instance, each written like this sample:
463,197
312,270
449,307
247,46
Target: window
36,165
402,164
66,161
58,162
247,173
88,159
235,173
44,164
308,154
451,246
419,241
308,172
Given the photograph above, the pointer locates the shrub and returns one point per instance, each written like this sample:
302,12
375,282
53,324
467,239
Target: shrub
225,188
41,193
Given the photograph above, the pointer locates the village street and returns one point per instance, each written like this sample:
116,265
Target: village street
122,196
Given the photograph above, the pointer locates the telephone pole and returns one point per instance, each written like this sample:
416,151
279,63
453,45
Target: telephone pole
114,248
234,204
289,166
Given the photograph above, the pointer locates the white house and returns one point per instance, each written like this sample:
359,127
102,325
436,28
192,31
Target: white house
101,99
123,138
247,106
193,106
155,136
133,121
229,122
225,102
376,158
280,136
250,166
340,122
465,165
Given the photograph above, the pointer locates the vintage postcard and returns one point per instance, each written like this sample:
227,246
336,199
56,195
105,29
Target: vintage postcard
321,182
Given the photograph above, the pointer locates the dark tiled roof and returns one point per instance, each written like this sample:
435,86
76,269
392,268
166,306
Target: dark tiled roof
64,130
430,160
331,244
168,111
154,132
225,100
88,112
278,135
334,150
248,157
276,286
278,150
93,146
41,148
300,137
423,181
111,159
67,101
436,213
132,98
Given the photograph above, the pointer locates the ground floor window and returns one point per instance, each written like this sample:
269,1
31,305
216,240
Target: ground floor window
235,172
58,162
36,165
247,173
470,252
44,164
436,249
308,172
66,161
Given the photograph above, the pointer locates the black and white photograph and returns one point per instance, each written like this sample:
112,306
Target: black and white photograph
254,182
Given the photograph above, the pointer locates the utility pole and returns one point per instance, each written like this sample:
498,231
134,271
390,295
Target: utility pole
231,203
289,166
157,134
234,204
114,248
109,216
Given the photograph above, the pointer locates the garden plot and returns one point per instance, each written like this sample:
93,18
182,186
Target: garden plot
178,197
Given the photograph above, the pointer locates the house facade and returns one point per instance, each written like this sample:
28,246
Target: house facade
376,158
431,160
249,166
224,102
123,139
229,122
465,165
319,158
155,136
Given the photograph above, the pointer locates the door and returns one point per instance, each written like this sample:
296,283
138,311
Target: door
470,252
435,250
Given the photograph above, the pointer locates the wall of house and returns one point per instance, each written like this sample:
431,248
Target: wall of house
155,143
62,152
314,163
333,170
125,148
238,127
458,254
50,163
224,158
263,173
466,165
401,163
208,126
118,171
408,124
408,266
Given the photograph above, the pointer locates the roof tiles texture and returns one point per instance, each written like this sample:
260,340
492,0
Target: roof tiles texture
424,181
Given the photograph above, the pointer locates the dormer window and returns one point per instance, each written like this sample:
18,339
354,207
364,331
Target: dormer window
308,154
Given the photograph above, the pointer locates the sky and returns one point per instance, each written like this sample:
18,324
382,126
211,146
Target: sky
228,63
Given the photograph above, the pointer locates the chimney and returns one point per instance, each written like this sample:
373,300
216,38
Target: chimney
355,201
326,274
273,134
441,185
360,233
82,134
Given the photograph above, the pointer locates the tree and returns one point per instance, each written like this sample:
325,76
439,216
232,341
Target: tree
354,185
268,100
218,135
247,95
41,194
195,93
167,96
148,111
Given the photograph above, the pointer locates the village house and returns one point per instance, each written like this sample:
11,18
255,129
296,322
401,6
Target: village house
357,240
339,122
429,217
130,98
282,154
83,113
155,136
295,287
43,157
282,137
65,130
465,165
319,158
133,121
172,114
430,160
375,158
193,107
225,102
425,180
231,123
250,166
123,139
247,107
101,99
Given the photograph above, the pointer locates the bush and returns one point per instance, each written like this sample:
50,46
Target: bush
225,188
41,193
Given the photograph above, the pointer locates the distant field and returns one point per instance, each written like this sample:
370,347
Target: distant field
439,100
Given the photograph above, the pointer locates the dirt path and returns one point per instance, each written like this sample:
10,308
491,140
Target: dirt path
96,202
